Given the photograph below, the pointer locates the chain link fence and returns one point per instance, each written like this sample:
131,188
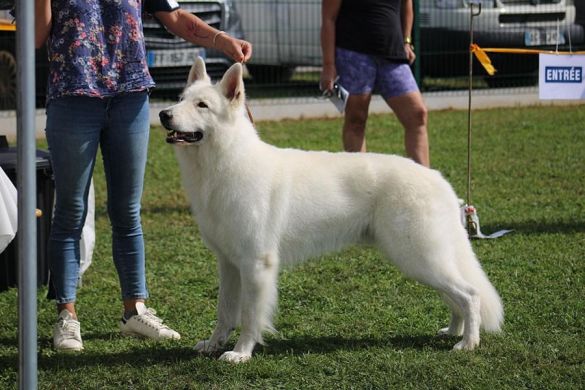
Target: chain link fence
287,55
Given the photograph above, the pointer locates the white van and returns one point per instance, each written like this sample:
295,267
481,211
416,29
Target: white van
284,34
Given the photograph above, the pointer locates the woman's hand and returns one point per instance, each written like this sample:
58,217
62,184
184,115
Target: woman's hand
237,49
410,54
328,76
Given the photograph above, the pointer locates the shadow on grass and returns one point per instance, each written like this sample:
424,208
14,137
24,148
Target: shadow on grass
161,354
136,357
323,345
9,341
538,227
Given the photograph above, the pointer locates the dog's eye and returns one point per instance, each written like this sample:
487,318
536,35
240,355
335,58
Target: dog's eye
202,105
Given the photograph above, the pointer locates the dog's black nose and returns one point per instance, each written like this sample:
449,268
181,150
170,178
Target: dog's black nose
165,117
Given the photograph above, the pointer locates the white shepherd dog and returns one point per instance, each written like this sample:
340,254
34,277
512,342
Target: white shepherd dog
259,206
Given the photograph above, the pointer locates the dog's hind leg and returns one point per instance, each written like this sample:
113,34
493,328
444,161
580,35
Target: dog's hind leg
439,271
455,327
258,301
228,308
467,299
433,264
462,298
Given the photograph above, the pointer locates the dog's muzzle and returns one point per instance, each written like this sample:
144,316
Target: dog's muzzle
178,137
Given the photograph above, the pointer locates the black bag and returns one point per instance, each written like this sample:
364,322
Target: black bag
7,4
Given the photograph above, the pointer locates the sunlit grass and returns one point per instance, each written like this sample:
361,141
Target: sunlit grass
351,320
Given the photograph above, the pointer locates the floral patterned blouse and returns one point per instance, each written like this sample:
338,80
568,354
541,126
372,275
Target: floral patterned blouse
96,48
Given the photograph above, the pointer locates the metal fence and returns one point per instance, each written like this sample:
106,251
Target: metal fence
287,53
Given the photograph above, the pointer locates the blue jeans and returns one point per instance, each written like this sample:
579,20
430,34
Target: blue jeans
76,127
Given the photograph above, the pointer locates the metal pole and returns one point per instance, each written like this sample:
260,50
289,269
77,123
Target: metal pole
416,36
472,14
471,220
26,184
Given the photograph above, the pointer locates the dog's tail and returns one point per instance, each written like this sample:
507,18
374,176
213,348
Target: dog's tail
491,308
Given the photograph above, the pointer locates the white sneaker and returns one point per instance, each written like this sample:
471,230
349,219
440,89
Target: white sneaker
66,333
147,324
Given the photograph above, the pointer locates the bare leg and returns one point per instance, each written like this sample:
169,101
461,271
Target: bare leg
130,304
412,113
354,125
70,307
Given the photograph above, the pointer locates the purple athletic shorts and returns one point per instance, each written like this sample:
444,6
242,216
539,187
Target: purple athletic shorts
362,74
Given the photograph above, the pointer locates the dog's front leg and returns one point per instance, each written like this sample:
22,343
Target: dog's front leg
228,308
259,296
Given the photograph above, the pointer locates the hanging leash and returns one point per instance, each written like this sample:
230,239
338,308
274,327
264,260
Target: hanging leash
246,104
249,112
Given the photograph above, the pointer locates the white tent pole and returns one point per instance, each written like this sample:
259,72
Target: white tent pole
26,184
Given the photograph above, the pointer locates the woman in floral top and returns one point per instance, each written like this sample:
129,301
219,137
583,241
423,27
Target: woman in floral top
98,98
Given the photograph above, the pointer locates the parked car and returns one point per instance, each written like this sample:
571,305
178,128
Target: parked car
285,33
523,24
580,12
169,57
8,65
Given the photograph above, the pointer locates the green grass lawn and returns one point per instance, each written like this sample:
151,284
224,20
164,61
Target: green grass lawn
351,320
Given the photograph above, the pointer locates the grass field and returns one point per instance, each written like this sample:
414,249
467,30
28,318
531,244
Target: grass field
351,320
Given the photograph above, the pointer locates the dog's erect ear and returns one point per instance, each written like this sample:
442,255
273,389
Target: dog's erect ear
232,84
198,72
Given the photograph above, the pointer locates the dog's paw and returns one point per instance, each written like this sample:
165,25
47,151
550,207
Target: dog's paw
444,332
205,346
235,357
466,345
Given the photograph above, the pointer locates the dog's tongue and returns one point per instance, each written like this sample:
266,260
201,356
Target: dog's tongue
174,137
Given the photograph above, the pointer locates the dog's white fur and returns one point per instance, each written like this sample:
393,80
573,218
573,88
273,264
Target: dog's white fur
259,206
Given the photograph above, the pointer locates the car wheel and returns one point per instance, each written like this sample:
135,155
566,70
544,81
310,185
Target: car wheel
265,74
7,81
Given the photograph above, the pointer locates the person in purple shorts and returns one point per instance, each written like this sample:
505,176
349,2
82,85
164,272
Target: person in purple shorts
367,48
97,98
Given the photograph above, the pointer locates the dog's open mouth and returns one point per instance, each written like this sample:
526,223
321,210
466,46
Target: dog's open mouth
179,137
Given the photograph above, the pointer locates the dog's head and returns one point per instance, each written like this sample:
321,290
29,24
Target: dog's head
204,108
